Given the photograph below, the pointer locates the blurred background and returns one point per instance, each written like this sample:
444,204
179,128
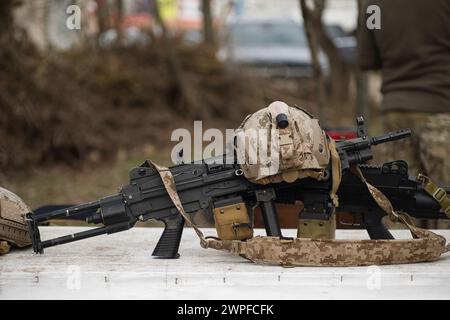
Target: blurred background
79,108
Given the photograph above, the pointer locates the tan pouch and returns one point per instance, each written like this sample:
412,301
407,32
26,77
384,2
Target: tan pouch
232,221
317,229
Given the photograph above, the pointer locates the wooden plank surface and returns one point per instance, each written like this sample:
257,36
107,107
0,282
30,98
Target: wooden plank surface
120,266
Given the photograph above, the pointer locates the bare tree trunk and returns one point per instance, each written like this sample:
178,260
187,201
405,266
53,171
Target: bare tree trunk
33,17
84,32
314,48
102,16
46,7
361,93
6,31
208,28
119,20
6,21
339,71
182,97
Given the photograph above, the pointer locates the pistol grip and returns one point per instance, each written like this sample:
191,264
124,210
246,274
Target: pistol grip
374,225
168,244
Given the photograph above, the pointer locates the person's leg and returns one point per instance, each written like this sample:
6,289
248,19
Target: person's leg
434,148
426,152
406,149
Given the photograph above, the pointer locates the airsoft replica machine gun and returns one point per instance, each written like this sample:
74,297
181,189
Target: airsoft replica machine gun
223,192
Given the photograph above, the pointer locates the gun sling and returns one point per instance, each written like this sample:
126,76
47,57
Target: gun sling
425,245
438,193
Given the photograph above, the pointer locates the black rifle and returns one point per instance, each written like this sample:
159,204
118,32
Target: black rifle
209,185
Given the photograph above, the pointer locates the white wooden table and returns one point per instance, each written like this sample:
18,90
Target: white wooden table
120,266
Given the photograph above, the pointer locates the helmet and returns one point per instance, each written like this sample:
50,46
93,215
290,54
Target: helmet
13,227
281,143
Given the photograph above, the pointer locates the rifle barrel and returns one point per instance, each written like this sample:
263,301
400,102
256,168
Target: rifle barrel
391,136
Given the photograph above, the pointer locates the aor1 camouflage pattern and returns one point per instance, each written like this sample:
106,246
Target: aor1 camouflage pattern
336,253
13,228
269,153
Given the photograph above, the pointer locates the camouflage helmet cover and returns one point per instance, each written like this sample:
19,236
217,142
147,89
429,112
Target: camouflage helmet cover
301,145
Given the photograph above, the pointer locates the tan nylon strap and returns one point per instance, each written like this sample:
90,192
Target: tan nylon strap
377,195
439,194
336,171
170,186
318,252
384,203
336,253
